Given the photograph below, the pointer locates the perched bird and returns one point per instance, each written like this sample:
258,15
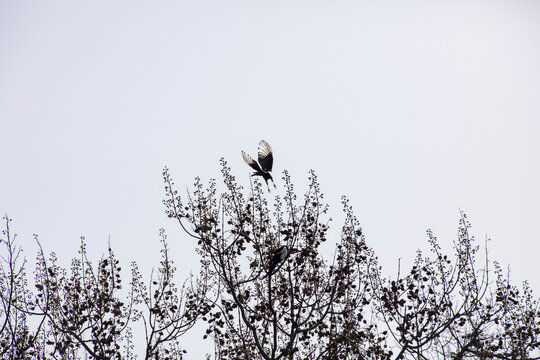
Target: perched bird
264,167
278,257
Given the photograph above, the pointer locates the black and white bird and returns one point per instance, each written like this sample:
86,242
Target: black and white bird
264,167
279,255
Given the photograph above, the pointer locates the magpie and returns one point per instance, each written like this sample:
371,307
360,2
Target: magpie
264,167
278,257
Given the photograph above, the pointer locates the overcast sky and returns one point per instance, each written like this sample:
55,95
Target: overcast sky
413,109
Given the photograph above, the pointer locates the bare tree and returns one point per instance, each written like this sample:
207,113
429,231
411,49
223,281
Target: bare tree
82,306
17,341
310,308
83,312
446,307
257,302
169,312
449,309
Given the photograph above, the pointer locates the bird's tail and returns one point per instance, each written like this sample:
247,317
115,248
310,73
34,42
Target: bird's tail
272,267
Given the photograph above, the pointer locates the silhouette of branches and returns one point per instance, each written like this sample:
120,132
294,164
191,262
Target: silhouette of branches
311,307
326,299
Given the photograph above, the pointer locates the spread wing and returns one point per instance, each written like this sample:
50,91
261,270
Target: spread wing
250,161
266,159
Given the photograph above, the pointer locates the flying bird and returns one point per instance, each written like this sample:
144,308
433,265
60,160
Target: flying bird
264,167
278,257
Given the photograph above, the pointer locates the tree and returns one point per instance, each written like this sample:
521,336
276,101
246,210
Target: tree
311,308
447,306
170,312
446,309
82,313
16,339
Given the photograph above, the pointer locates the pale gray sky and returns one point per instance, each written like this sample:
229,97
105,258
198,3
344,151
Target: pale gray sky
413,109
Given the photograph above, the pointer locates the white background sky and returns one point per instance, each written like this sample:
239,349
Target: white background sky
413,109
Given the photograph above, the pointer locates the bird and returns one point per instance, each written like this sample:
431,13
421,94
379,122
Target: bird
279,255
264,166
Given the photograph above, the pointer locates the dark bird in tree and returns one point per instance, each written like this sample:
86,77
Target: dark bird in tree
278,257
264,167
